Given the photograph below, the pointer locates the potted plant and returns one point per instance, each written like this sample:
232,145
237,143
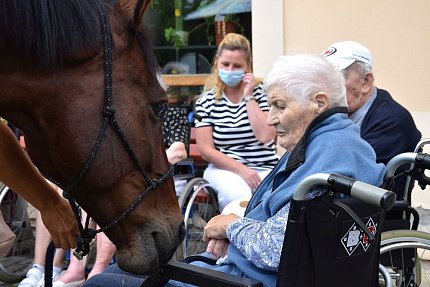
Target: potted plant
226,24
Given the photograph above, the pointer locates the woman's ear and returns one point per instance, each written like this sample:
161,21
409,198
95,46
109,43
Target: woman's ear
321,99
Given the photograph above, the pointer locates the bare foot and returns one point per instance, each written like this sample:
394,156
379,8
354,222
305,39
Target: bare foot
75,272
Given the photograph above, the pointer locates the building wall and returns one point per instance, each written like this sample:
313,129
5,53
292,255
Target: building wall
397,32
267,33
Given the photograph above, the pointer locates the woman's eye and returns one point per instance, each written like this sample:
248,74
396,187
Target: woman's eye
279,106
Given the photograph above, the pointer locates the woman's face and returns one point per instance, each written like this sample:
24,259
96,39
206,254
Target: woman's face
289,117
232,60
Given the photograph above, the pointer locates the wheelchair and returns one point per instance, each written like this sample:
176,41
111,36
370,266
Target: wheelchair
20,216
403,247
326,234
196,198
198,202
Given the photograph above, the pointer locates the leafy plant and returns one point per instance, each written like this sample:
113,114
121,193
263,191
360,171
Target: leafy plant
179,38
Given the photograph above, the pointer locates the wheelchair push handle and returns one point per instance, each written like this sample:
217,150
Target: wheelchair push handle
407,157
365,192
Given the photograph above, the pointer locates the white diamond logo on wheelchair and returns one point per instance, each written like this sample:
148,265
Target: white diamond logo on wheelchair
355,237
351,239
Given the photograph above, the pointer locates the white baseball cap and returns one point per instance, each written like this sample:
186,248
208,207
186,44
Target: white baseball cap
343,54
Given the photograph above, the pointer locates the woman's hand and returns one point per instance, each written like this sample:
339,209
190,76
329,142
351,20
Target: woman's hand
248,84
217,226
61,223
250,176
217,247
215,234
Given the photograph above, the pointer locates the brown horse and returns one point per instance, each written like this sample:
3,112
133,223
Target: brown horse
54,78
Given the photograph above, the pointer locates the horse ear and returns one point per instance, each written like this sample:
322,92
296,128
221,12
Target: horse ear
139,10
140,7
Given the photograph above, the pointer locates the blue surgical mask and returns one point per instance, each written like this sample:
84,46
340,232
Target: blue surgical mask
231,78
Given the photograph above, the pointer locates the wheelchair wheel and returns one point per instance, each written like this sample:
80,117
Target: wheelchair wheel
198,203
17,213
402,252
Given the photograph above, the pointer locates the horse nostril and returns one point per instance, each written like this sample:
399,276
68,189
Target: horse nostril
181,232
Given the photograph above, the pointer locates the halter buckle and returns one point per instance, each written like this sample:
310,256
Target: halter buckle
154,183
79,255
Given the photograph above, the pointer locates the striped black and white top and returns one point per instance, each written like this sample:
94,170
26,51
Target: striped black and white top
232,132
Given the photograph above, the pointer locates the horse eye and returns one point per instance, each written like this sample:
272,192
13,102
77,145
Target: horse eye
159,108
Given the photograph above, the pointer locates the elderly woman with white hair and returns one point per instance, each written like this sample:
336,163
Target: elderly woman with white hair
308,110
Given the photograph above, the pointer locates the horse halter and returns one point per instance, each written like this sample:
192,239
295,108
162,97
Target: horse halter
88,234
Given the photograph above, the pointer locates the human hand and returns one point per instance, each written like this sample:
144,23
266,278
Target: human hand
251,177
248,84
217,226
217,248
60,221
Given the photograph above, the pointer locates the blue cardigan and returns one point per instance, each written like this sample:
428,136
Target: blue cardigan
332,144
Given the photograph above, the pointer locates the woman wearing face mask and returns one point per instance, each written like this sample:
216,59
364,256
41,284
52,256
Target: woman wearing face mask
232,133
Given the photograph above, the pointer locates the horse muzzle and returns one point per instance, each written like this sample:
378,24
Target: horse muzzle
149,252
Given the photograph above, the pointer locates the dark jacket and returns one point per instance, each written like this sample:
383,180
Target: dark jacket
390,130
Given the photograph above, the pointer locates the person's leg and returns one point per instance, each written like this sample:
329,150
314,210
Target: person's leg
75,273
229,186
113,276
59,258
105,251
41,242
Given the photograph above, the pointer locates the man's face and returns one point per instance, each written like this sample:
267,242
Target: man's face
354,85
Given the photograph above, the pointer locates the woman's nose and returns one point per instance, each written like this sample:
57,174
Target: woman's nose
272,120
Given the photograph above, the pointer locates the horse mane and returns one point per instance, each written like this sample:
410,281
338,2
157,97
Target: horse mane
48,30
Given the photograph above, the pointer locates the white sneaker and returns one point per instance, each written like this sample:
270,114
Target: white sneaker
32,277
41,282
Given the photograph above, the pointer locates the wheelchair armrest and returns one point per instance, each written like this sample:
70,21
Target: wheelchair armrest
202,258
200,276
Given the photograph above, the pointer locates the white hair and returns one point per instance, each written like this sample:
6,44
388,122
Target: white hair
303,76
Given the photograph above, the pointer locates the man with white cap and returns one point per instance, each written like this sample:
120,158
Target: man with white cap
384,123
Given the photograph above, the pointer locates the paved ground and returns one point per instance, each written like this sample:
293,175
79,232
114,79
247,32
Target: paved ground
426,273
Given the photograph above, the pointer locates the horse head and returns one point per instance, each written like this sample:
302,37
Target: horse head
54,78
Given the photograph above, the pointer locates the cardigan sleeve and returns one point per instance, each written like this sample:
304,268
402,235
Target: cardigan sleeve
260,242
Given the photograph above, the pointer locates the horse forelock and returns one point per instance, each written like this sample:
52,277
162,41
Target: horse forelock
49,30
